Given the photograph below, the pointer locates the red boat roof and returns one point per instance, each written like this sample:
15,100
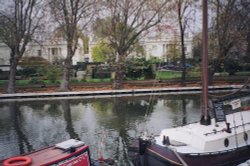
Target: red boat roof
54,155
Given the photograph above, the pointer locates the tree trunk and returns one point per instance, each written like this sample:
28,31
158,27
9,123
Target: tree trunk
118,76
182,24
68,119
12,75
118,71
248,47
215,64
64,86
183,59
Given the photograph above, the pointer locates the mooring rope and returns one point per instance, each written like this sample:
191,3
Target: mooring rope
179,157
235,132
151,97
232,93
243,125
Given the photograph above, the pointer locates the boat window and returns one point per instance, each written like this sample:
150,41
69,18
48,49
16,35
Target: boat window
245,136
226,142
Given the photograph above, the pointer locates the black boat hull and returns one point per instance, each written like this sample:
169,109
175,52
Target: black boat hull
156,155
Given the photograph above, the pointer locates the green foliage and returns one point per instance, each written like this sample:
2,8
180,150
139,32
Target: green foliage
85,40
102,52
101,72
100,25
74,81
121,36
196,48
148,72
32,66
246,66
33,61
37,73
154,60
80,66
27,71
53,73
193,74
137,68
174,51
97,80
231,66
245,73
57,60
35,80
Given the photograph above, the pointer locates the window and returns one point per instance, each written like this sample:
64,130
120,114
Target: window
54,51
154,46
185,49
39,52
1,61
86,59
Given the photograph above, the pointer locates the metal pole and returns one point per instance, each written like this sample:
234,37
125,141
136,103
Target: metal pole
205,120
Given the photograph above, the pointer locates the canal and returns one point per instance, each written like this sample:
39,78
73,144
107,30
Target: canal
106,124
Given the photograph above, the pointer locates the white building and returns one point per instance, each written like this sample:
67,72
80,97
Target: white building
4,55
51,50
54,50
157,43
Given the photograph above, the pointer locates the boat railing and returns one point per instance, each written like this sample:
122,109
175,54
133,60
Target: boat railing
223,130
211,153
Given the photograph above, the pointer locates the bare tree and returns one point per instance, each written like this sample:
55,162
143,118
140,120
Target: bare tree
244,18
72,16
19,21
229,29
126,21
184,10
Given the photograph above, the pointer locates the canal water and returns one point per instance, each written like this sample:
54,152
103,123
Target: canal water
105,124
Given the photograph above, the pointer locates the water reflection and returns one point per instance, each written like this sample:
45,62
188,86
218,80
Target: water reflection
68,119
17,120
107,124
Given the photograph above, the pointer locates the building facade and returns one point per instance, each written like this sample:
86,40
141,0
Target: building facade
164,43
51,50
158,43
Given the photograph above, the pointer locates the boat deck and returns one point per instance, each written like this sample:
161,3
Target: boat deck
198,138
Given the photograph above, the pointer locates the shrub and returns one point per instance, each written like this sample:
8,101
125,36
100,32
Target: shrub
53,73
231,66
101,72
35,80
246,66
138,68
27,71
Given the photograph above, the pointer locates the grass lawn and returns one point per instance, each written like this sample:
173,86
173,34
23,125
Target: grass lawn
162,75
96,80
3,82
245,73
18,82
193,74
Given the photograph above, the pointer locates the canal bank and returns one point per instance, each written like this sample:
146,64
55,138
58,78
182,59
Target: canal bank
104,93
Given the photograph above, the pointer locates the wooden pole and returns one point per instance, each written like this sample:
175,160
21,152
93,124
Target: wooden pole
205,119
